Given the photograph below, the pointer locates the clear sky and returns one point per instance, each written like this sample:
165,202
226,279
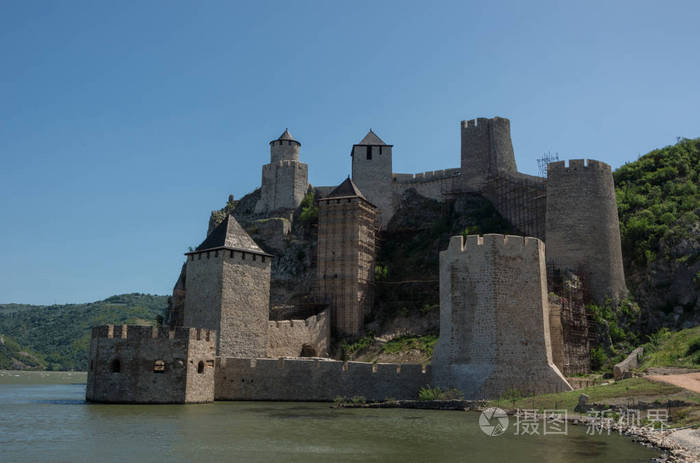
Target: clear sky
123,124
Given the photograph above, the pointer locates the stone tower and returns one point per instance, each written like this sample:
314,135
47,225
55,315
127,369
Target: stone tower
371,172
346,229
494,319
582,227
284,179
228,290
487,151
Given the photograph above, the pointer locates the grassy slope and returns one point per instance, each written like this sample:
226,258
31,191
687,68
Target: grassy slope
14,356
626,392
673,349
61,333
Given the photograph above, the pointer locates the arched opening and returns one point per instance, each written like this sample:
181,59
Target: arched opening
200,367
307,350
159,366
115,366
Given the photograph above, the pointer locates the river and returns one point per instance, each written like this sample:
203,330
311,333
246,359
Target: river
44,418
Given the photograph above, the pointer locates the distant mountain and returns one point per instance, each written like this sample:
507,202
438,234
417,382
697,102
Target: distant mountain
57,337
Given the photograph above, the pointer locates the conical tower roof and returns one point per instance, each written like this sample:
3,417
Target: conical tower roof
230,235
372,139
287,137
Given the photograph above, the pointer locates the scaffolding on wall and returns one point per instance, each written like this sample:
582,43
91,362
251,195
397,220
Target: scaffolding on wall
522,201
545,159
578,326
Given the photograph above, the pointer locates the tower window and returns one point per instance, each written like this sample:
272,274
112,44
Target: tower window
159,366
115,366
200,367
369,153
380,150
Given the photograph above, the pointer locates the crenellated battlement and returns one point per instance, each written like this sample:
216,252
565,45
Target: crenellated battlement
486,243
284,163
429,176
139,333
483,122
560,167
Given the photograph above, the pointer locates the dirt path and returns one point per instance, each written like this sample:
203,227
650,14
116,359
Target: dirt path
689,381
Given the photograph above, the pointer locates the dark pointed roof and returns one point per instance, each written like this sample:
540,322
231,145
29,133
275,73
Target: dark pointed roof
347,188
286,136
230,235
372,139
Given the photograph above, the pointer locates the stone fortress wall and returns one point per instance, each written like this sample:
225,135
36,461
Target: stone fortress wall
316,379
583,230
291,338
494,318
145,364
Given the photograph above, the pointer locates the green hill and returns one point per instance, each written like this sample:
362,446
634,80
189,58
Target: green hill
658,198
57,336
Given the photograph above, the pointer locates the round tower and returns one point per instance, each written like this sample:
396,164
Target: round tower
487,151
285,148
582,226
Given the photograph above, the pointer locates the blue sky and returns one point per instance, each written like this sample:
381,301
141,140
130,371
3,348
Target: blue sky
123,124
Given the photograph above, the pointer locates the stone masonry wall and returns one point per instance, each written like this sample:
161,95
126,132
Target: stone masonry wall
155,365
582,227
494,319
245,305
284,184
286,338
229,291
316,380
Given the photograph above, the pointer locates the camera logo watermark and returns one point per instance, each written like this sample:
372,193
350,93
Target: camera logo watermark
493,421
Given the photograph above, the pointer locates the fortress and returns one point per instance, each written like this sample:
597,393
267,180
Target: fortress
499,328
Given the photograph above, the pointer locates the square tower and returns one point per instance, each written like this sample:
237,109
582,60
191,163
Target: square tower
346,250
371,172
228,290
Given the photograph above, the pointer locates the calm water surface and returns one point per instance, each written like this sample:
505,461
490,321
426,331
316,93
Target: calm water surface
43,418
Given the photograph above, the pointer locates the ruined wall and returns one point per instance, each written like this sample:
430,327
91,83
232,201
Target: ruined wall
346,253
487,151
434,184
287,338
148,364
582,227
284,184
374,177
229,291
494,319
316,380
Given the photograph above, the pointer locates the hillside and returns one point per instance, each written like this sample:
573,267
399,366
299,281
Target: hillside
659,204
57,337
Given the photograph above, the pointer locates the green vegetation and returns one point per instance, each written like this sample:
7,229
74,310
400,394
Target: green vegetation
658,197
351,347
58,336
435,393
13,356
404,343
309,209
618,329
673,349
